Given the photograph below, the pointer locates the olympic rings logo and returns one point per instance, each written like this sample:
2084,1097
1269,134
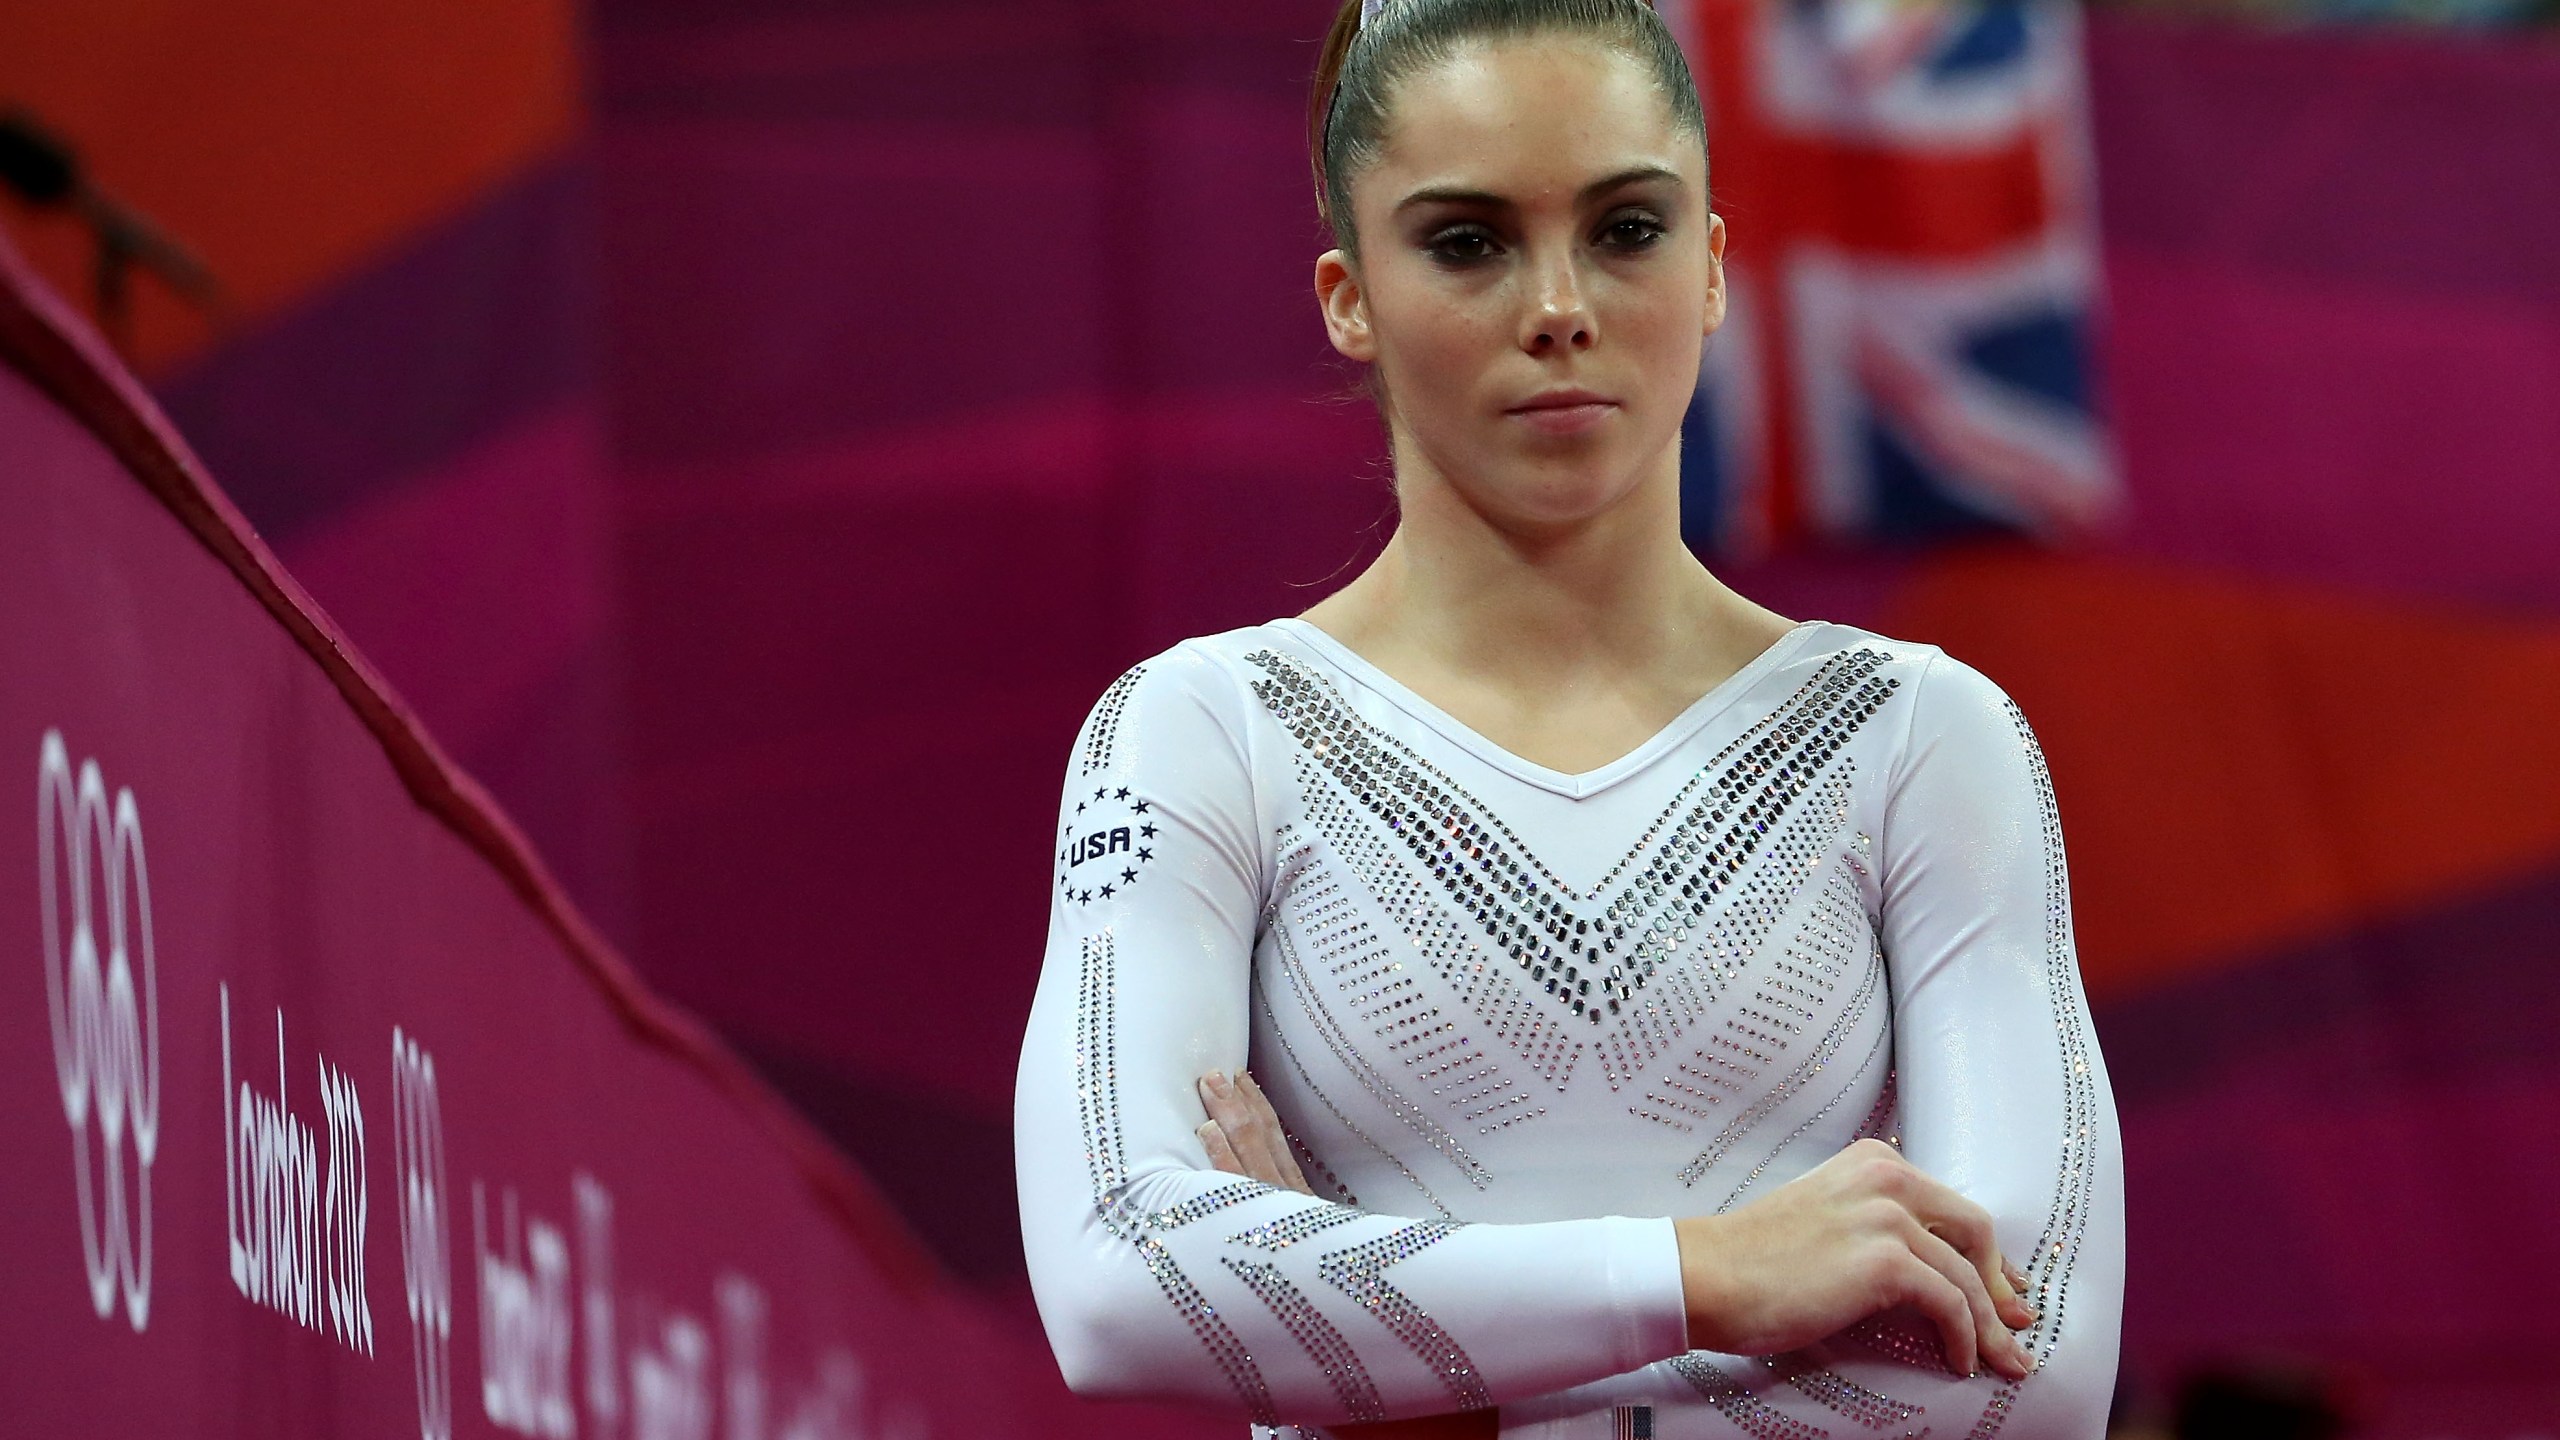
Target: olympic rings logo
106,1041
426,1258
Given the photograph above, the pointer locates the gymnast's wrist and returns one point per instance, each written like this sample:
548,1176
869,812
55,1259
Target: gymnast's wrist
1703,1297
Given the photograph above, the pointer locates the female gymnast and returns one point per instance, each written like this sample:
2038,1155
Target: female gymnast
1538,991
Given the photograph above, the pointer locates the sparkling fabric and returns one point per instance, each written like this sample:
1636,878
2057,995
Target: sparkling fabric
1514,1021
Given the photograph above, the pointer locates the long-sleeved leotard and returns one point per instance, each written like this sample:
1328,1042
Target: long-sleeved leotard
1516,1020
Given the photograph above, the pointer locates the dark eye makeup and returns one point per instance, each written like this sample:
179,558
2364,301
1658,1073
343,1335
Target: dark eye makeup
1629,230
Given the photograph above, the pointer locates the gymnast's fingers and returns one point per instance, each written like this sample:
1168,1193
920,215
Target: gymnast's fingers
1967,1227
1291,1176
1935,1296
2027,1313
1246,1133
1993,1343
2007,1298
1222,1156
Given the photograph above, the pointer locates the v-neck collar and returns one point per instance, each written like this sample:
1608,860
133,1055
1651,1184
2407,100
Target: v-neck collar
1572,786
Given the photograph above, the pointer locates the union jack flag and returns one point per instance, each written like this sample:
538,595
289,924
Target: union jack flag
1914,274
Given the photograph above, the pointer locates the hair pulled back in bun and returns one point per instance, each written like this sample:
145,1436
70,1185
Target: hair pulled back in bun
1361,65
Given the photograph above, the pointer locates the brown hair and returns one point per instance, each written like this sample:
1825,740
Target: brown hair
1360,66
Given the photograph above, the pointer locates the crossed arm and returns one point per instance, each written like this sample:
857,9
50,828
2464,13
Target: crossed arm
1864,1211
1169,1272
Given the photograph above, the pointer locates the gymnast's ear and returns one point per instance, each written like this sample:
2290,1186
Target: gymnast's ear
1346,307
1719,286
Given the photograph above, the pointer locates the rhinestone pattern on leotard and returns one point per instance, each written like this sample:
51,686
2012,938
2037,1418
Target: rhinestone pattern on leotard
1877,1049
1748,1412
1103,729
1796,985
1421,823
1318,914
1323,1343
1371,976
1360,1272
1098,1101
1298,1067
1821,953
1689,933
1295,1226
1841,1395
1097,1097
1692,872
1758,1033
1433,931
2051,1265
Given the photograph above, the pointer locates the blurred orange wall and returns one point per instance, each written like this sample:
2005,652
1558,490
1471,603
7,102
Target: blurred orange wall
285,141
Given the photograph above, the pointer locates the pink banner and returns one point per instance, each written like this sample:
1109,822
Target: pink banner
325,1114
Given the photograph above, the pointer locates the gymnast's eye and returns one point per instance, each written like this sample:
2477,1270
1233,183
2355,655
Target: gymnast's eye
1632,230
1461,245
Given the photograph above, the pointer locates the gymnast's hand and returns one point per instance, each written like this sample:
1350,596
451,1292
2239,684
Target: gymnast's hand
1863,1232
1244,1138
1859,1234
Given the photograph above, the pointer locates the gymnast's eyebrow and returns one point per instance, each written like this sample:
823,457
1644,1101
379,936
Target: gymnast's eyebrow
1452,195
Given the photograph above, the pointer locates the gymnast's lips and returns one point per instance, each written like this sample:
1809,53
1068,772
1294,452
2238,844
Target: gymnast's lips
1563,412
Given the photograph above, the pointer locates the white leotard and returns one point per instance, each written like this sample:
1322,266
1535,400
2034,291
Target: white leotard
1515,1020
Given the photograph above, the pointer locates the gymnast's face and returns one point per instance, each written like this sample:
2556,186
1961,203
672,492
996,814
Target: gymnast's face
1538,270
